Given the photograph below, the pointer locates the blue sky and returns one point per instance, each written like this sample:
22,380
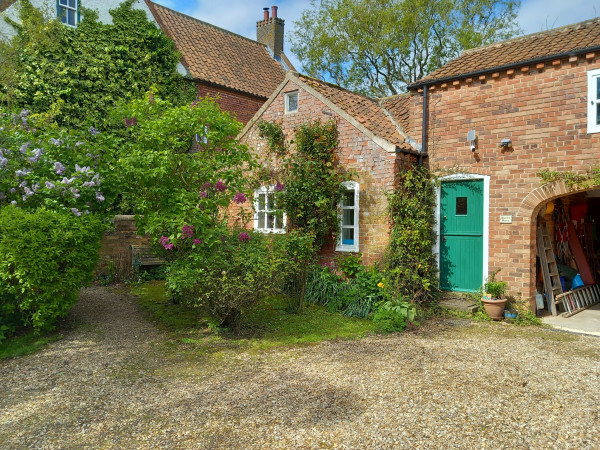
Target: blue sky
240,16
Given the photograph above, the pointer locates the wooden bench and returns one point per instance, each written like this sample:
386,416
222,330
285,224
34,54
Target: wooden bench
142,255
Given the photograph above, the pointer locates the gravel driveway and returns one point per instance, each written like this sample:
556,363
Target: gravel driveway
115,381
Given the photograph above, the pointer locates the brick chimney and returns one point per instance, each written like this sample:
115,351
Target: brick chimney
269,31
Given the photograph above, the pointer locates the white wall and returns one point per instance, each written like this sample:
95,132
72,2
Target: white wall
49,6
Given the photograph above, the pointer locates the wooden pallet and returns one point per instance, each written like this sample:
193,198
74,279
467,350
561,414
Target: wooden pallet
579,299
552,285
142,255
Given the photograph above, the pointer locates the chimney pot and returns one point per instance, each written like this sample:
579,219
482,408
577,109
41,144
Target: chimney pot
265,13
274,11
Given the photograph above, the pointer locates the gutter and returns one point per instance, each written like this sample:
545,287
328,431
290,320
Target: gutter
425,83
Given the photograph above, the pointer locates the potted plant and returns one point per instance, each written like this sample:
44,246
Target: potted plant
493,298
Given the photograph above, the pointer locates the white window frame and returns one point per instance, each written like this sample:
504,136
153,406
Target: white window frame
278,230
64,4
592,126
287,102
341,247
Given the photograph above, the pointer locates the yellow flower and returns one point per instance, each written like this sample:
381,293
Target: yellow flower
380,284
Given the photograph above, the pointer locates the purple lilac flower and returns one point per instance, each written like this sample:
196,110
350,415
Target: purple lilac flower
22,184
244,237
35,187
130,122
50,185
239,198
37,154
59,168
76,212
279,187
89,184
187,231
2,197
12,190
99,197
24,113
220,186
56,142
203,194
67,181
93,131
96,179
207,185
22,172
195,241
169,247
163,240
24,148
84,169
78,143
14,202
3,162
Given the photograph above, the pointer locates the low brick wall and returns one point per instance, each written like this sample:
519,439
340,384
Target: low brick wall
116,246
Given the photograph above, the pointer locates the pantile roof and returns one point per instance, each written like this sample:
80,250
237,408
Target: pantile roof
398,107
218,56
365,110
576,38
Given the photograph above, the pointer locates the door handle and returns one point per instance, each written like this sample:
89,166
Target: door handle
443,239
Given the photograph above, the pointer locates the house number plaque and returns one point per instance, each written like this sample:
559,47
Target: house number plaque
505,219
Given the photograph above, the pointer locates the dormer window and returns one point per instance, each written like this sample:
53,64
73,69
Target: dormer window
68,12
291,102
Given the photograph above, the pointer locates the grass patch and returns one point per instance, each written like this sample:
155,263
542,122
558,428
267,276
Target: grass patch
265,326
26,343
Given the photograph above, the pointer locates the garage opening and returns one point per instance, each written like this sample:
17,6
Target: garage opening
568,255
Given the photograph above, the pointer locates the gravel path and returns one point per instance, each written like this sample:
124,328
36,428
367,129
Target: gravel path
115,381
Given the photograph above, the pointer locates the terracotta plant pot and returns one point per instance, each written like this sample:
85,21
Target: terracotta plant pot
494,307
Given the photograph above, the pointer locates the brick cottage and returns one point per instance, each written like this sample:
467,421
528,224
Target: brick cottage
495,117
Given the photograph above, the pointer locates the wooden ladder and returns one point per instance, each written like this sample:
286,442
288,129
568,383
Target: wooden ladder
545,252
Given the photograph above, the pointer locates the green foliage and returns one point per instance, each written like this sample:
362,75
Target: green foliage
45,257
393,316
349,264
172,182
410,265
526,317
231,277
301,253
496,289
25,344
379,46
273,133
323,286
573,180
311,188
79,74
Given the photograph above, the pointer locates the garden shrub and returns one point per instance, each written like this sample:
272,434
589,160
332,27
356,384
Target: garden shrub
410,264
45,258
393,315
323,286
230,277
300,253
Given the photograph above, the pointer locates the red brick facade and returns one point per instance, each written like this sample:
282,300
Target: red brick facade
374,166
542,108
242,106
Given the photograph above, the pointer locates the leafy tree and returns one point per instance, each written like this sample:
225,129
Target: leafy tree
80,73
379,46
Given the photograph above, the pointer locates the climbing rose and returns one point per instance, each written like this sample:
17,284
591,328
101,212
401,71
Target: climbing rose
163,241
169,247
220,186
239,198
187,231
243,237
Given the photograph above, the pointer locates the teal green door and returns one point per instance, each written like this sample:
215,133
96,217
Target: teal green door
461,235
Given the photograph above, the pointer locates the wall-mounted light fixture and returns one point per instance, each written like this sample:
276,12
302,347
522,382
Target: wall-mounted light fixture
472,137
505,143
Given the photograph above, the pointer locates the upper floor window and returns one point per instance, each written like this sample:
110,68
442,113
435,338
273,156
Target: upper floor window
291,102
267,219
348,239
593,101
68,12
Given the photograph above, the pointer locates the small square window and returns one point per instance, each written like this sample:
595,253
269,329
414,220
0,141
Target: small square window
68,12
291,102
267,218
593,119
461,206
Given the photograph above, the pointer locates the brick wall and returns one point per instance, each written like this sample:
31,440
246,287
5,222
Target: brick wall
374,166
242,106
543,110
116,245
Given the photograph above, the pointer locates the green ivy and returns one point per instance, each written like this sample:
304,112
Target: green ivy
311,188
410,265
573,180
79,74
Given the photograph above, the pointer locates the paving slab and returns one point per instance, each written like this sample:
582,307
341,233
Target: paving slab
585,322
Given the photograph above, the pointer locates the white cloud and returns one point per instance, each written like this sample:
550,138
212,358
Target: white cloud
539,15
